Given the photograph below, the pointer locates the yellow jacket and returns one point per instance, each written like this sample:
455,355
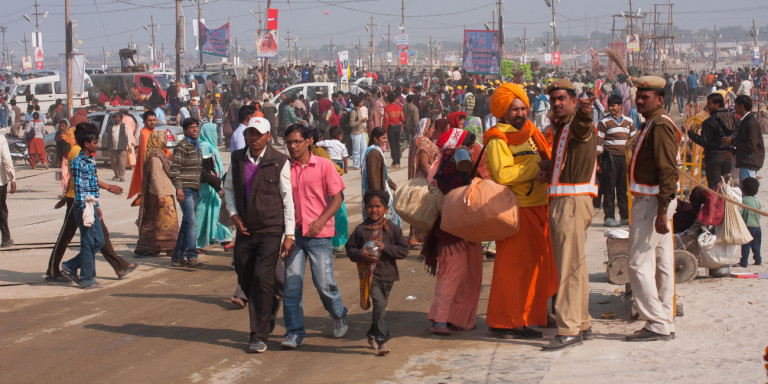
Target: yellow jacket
516,172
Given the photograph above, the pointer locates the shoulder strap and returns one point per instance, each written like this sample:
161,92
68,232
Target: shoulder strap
477,163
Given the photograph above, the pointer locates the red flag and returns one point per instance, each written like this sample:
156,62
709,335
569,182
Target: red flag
403,58
272,19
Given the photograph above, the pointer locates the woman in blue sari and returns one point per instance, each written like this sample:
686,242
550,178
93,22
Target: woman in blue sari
209,229
375,171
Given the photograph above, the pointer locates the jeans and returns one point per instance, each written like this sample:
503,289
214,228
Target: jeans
4,230
379,297
680,103
187,240
754,245
358,149
691,95
393,134
319,251
220,133
746,173
91,240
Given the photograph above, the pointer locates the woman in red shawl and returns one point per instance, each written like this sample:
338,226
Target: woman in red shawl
459,263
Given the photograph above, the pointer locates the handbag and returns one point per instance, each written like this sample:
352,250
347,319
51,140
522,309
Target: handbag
131,157
30,135
712,211
732,230
418,203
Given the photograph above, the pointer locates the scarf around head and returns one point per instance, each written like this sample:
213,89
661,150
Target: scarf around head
208,147
455,117
451,139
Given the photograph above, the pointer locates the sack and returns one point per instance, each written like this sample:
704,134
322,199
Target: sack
732,230
419,203
713,210
714,255
481,211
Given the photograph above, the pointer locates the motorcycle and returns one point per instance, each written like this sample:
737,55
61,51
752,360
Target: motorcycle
18,148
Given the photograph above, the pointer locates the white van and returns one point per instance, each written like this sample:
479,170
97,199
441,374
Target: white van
310,89
46,90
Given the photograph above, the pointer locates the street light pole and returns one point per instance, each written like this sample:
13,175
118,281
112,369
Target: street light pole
200,32
68,34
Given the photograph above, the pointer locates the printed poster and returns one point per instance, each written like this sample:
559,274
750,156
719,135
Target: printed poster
633,43
344,65
215,41
481,52
266,45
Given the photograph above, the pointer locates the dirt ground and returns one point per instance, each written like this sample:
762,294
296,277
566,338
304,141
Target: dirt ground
177,325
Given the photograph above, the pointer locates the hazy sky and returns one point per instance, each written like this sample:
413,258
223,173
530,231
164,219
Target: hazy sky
109,23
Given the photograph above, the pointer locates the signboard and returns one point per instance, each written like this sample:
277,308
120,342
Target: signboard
403,58
26,63
389,57
556,58
266,45
755,53
402,41
547,58
37,39
344,65
215,41
481,52
633,43
272,19
78,72
38,58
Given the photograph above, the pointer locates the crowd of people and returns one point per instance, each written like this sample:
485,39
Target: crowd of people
560,146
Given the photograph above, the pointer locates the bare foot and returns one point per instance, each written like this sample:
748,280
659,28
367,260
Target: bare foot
383,350
372,343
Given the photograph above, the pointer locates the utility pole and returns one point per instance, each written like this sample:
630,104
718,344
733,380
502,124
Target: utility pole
5,46
104,57
501,34
714,61
525,41
200,32
295,49
288,39
266,61
68,34
154,54
359,62
554,26
179,39
370,48
430,55
493,20
330,53
402,18
389,29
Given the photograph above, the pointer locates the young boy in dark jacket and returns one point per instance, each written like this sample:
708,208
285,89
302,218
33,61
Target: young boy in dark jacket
377,243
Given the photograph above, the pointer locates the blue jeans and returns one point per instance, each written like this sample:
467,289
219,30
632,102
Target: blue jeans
680,103
358,149
754,246
91,240
220,133
319,251
186,243
745,173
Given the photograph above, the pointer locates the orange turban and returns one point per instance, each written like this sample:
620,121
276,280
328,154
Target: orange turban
504,95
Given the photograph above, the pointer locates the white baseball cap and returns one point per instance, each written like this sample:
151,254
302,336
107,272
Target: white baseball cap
260,124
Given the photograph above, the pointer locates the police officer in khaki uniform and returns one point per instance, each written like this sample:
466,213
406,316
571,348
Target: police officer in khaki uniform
653,183
571,177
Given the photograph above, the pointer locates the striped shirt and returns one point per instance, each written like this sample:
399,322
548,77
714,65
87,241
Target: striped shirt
85,179
186,165
613,134
469,103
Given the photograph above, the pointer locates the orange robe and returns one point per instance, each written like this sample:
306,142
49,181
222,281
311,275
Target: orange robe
138,171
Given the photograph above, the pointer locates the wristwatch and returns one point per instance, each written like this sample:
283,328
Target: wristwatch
289,237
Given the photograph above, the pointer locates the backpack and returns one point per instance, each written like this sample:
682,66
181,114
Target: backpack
314,109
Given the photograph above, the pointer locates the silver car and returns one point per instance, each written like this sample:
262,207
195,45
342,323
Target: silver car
173,134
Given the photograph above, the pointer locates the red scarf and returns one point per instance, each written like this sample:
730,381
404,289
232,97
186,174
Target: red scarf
528,131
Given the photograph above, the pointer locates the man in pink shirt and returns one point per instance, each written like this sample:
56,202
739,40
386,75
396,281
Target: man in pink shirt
317,195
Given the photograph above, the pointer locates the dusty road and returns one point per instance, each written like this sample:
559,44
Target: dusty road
177,326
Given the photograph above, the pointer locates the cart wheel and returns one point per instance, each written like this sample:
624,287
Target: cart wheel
686,266
617,269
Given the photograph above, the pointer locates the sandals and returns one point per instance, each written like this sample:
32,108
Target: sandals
128,270
93,285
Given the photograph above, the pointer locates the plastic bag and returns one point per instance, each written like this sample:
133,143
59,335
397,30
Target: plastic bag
732,230
419,203
713,254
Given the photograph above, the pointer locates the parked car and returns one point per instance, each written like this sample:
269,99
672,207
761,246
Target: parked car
173,134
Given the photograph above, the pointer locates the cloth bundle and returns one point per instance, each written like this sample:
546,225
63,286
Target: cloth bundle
419,203
481,211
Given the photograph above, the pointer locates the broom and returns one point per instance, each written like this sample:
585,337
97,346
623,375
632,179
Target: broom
616,59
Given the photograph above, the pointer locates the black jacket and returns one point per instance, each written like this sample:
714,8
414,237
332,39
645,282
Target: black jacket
395,247
718,125
750,149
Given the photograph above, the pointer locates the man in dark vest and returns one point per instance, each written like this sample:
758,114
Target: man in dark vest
259,198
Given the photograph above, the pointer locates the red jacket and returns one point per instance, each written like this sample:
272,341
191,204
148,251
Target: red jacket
393,115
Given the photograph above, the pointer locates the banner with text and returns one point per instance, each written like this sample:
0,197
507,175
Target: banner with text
215,41
266,45
481,52
272,19
344,65
78,72
633,43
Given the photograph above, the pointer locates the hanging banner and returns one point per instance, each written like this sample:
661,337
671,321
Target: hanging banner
272,19
26,63
215,41
556,58
633,43
547,58
389,57
402,41
481,52
403,58
78,72
266,45
38,58
344,65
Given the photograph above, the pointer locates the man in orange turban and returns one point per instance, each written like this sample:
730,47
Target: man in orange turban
524,273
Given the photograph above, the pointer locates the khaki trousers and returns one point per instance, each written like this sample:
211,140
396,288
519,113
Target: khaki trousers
117,161
652,265
569,217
